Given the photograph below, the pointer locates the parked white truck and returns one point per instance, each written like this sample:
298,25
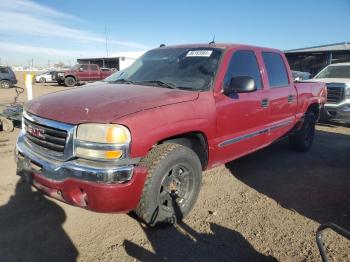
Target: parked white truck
337,79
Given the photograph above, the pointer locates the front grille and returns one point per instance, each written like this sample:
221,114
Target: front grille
335,93
46,137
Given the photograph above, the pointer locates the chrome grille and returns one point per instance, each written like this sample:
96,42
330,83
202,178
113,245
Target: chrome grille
46,137
335,93
49,138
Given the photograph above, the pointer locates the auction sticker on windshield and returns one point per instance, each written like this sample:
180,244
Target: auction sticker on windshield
202,53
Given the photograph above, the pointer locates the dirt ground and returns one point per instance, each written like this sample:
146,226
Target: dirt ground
263,207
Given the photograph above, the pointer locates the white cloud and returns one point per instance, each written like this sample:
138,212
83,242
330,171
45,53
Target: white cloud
35,8
28,49
20,17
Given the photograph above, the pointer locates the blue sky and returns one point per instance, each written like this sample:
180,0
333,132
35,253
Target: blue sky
67,29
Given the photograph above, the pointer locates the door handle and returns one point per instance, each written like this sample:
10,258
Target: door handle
290,98
265,103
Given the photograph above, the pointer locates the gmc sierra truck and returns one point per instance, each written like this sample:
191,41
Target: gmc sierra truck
82,73
337,79
140,141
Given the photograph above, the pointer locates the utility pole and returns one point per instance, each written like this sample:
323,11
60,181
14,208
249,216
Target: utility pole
106,41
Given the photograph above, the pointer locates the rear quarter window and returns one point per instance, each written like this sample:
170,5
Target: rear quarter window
276,69
4,70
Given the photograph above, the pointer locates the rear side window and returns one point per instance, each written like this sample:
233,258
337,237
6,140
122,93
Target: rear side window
276,69
93,67
243,63
4,70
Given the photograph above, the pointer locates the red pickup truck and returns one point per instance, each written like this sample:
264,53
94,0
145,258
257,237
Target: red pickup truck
82,73
141,140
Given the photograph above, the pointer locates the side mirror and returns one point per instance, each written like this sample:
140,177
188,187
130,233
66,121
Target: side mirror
81,69
240,84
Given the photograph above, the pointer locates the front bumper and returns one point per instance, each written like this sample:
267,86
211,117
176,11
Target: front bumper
81,183
337,112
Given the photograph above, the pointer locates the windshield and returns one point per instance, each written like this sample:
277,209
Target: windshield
183,68
335,72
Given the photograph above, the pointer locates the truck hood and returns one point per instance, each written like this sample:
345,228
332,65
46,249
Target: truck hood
104,103
331,80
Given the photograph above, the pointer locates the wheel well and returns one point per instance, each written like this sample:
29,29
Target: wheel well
314,108
70,76
197,141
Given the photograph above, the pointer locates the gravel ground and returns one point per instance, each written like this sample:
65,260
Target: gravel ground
263,207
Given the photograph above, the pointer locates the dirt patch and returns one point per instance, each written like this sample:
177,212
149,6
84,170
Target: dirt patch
263,207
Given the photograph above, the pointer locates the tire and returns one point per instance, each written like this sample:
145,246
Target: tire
302,140
70,81
42,80
5,84
172,185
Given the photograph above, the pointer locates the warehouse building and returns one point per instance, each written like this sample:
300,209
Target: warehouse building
118,61
313,59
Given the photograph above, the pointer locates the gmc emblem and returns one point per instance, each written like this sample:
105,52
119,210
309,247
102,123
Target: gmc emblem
36,132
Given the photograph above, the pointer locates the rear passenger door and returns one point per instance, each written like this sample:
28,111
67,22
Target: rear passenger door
94,73
240,118
280,98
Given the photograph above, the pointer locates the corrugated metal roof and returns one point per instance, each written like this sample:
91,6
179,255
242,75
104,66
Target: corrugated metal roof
322,48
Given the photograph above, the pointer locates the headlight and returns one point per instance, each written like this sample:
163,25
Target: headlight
347,91
102,141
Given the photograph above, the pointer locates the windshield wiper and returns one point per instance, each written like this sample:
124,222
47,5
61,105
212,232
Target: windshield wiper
160,83
122,80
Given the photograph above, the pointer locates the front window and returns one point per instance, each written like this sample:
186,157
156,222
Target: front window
183,68
335,72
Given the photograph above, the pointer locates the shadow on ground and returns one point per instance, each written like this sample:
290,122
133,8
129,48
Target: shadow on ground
316,184
182,243
31,229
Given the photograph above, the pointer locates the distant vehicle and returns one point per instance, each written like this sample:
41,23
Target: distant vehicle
45,77
337,79
110,79
299,75
7,77
82,73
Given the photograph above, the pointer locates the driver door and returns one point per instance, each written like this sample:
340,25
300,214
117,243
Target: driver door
241,116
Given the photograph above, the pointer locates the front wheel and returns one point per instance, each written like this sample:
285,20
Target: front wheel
172,185
5,84
42,80
302,140
70,81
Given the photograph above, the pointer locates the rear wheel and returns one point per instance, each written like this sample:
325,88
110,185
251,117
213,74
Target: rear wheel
70,81
5,84
302,140
172,185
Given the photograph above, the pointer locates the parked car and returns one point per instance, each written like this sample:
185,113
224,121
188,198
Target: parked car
141,141
7,77
82,73
300,76
45,77
337,79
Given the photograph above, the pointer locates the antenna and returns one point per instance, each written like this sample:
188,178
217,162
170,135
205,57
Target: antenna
212,41
106,40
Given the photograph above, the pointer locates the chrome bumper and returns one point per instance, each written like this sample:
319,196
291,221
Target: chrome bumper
29,161
338,112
